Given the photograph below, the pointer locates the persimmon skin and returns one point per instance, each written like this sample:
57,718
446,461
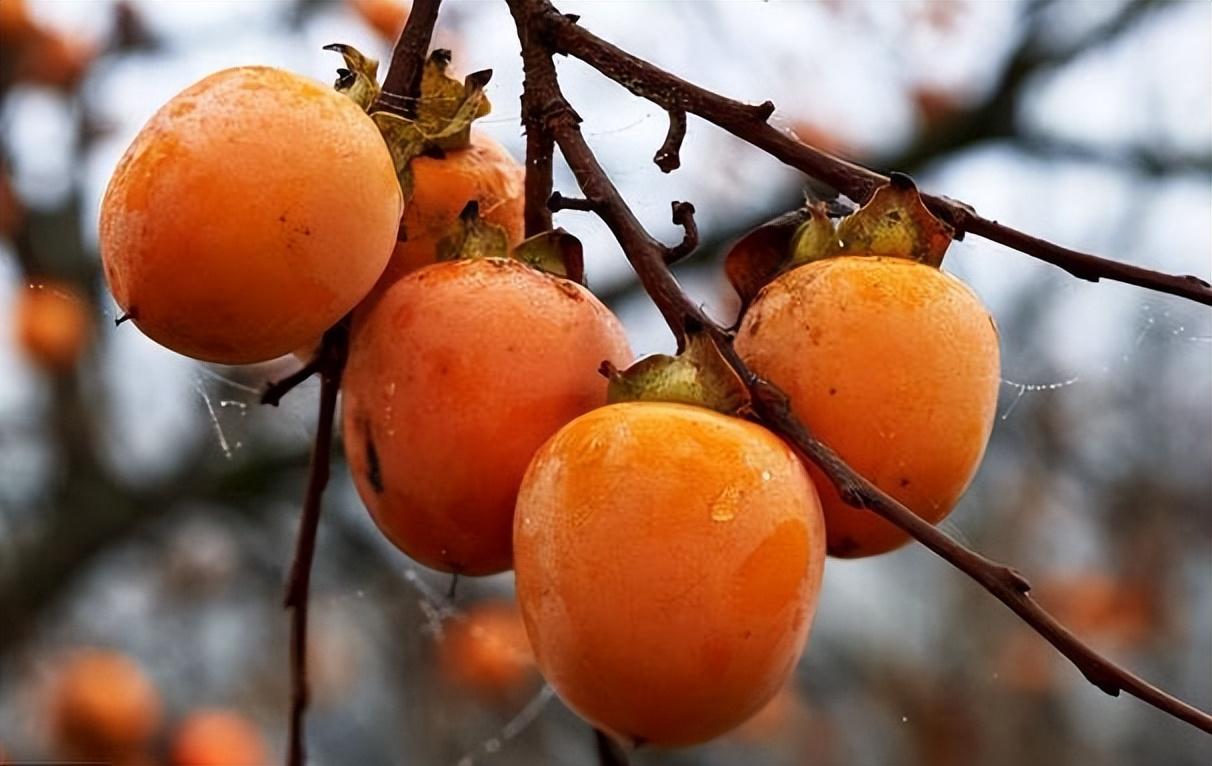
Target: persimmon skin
218,738
52,325
252,212
892,363
482,171
456,375
668,562
103,706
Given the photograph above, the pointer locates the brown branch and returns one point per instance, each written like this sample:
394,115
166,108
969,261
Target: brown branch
683,215
668,158
331,363
771,405
402,83
748,123
273,393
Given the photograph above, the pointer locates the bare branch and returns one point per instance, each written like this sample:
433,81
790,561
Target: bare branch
749,123
402,83
667,157
683,215
331,363
647,257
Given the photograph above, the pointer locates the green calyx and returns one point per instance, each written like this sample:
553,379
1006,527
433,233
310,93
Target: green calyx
894,223
699,375
555,252
445,110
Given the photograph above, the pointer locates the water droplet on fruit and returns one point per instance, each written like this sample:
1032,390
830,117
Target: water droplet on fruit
724,507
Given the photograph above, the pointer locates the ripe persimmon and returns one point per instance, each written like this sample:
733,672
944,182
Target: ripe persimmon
386,17
456,375
486,652
218,738
482,171
894,364
668,561
103,706
52,324
252,212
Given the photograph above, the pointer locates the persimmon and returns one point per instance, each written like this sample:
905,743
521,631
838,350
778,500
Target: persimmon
456,375
486,652
668,562
52,324
103,706
252,212
218,737
483,172
894,364
386,17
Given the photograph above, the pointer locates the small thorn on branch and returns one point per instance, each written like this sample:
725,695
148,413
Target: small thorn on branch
126,317
763,111
683,215
557,202
668,157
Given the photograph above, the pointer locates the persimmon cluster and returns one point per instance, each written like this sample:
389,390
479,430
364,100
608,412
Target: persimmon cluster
668,549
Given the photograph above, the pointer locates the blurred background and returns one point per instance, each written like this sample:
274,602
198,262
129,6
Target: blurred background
148,505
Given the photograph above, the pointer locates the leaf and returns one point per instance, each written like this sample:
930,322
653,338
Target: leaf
895,222
555,252
699,375
360,80
760,254
472,237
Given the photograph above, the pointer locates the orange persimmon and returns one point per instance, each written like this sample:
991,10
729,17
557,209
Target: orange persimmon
218,738
386,17
668,562
456,375
252,212
103,706
486,652
52,324
895,365
483,172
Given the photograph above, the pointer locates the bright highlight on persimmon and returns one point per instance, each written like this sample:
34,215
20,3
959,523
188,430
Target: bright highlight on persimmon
456,375
251,213
668,562
895,365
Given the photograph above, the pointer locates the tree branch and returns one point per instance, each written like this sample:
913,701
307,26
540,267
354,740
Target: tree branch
749,124
331,363
771,405
402,83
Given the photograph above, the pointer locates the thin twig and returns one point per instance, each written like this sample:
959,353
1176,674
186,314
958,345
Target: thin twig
647,257
668,158
273,393
683,215
748,123
330,363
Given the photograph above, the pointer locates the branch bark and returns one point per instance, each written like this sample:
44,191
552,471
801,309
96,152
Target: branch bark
771,405
748,123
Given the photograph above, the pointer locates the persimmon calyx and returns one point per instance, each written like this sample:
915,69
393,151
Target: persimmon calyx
554,252
894,222
359,80
699,375
445,110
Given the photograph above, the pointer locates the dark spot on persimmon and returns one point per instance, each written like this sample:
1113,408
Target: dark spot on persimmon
374,473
